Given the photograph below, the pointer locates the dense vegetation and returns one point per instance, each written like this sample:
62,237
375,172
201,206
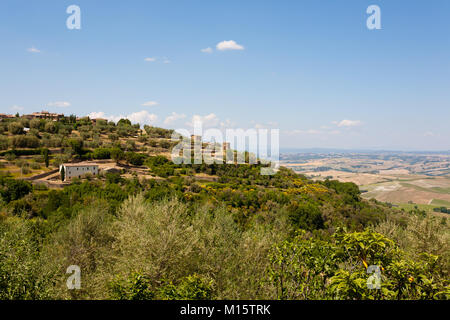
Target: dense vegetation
182,235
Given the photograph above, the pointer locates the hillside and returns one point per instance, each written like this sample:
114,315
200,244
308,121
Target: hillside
146,228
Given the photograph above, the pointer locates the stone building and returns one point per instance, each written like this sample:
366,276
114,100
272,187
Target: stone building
77,170
45,115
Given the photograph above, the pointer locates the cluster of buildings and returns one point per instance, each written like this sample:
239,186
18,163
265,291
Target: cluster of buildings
36,115
45,115
6,116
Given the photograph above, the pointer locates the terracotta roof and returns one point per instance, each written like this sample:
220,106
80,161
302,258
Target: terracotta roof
79,164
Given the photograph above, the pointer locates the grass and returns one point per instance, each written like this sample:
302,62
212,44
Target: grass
432,189
440,203
411,206
441,190
15,171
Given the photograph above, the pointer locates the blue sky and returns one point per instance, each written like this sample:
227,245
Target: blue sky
309,68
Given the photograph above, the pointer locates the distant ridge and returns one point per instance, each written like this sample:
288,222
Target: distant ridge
340,151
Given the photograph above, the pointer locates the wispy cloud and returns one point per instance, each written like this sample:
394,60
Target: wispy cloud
301,132
227,124
59,104
270,124
157,59
313,132
348,123
210,120
229,45
174,117
33,50
150,104
207,50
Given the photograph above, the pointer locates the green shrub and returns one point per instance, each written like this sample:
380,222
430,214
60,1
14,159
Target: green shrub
102,153
4,142
306,216
15,128
134,158
135,287
21,272
12,189
24,142
192,287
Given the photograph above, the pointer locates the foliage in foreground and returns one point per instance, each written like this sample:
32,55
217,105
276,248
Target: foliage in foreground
168,250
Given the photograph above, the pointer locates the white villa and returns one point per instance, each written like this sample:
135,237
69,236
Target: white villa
77,170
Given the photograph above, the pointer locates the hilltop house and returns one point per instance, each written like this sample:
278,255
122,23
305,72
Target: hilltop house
45,115
6,116
77,170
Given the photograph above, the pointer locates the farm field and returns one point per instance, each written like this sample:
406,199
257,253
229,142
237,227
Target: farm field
403,179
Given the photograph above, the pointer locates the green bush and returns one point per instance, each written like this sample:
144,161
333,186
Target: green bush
12,189
192,287
134,158
24,142
21,272
15,128
102,153
4,143
306,216
135,287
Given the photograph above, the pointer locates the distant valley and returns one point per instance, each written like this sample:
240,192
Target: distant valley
405,179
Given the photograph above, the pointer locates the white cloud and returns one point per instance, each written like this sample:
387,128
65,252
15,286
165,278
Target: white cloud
227,124
60,104
96,115
348,123
174,117
141,117
429,134
229,45
209,120
269,124
207,50
33,50
154,59
150,104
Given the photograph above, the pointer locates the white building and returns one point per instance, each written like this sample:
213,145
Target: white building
77,170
